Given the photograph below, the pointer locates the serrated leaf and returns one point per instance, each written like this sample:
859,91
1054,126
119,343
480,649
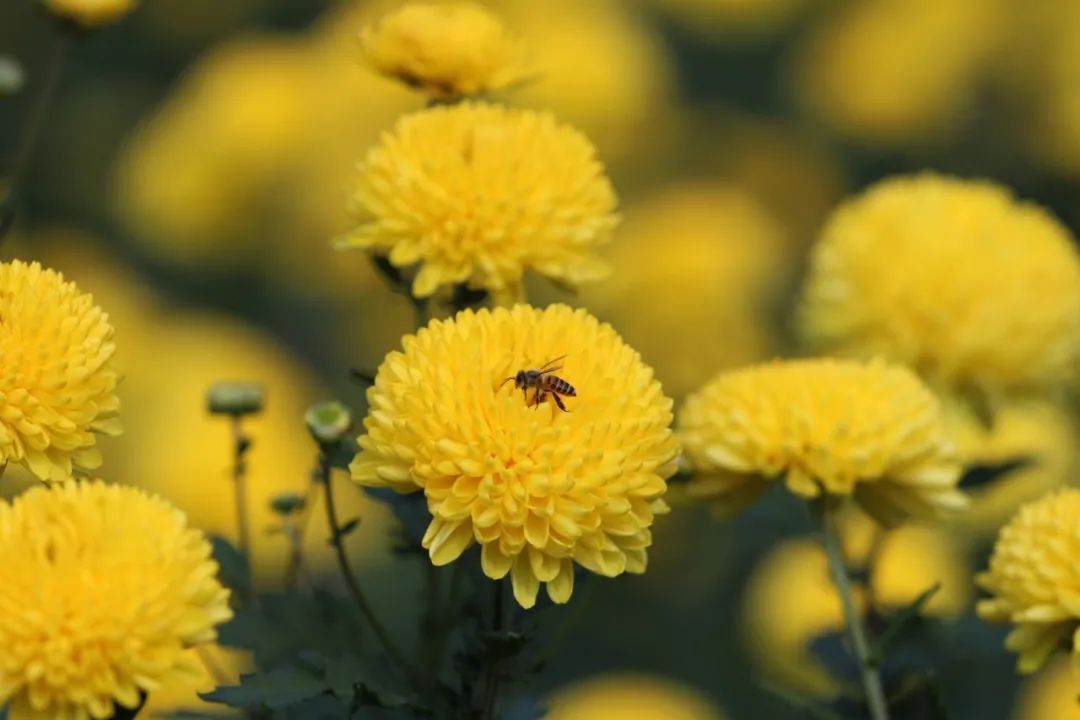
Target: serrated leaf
274,689
233,566
899,623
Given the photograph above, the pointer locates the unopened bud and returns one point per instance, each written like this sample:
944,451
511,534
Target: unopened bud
328,421
235,398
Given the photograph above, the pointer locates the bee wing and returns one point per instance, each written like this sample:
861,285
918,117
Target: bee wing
550,366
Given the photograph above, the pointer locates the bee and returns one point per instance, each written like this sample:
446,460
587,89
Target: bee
544,382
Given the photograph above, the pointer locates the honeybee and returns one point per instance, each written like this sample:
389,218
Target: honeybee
544,382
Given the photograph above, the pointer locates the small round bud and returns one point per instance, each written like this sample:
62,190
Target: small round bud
328,421
287,503
235,398
12,76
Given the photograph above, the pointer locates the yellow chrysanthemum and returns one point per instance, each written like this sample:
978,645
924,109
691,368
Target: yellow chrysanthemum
956,278
1034,579
630,696
57,382
1050,694
448,50
538,488
477,193
826,426
102,590
90,13
720,266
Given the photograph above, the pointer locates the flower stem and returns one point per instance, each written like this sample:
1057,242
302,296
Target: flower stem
31,134
868,674
351,581
241,444
499,617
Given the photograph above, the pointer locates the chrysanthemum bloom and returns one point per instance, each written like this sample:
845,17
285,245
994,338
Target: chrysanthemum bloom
826,427
537,487
90,13
448,50
975,290
630,696
476,193
57,383
1034,579
103,589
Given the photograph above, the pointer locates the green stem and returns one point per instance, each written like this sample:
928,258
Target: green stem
31,134
351,581
499,616
868,674
241,443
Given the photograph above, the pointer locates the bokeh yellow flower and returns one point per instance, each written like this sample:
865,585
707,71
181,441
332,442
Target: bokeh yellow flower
102,588
448,50
539,489
630,696
825,427
897,71
975,290
90,13
1050,694
1034,580
603,68
57,378
1040,434
790,600
476,193
695,271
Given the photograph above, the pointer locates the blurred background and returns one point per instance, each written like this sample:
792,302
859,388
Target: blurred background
193,170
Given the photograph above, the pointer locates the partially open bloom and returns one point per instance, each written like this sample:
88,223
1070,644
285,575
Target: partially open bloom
630,696
90,13
826,427
103,589
476,193
1034,579
57,382
537,487
448,50
957,279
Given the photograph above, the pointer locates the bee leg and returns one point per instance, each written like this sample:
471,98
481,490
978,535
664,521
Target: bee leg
559,402
540,395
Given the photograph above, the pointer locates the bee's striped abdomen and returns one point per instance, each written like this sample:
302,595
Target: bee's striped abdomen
558,385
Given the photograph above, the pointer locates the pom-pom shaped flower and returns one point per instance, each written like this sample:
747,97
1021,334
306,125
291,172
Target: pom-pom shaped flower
90,13
103,590
825,426
448,50
57,383
975,290
1034,579
477,193
538,487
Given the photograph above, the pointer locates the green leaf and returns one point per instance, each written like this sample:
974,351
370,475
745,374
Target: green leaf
809,705
233,565
274,689
899,623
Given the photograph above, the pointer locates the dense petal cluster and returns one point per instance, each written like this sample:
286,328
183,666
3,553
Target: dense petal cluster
103,589
956,278
90,13
825,426
446,49
57,383
537,487
477,193
1034,579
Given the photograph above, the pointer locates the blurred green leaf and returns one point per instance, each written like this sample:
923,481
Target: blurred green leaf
982,474
899,624
274,689
233,566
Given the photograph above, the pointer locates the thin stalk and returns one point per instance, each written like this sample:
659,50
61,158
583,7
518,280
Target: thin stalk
499,617
868,674
31,134
351,581
241,443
